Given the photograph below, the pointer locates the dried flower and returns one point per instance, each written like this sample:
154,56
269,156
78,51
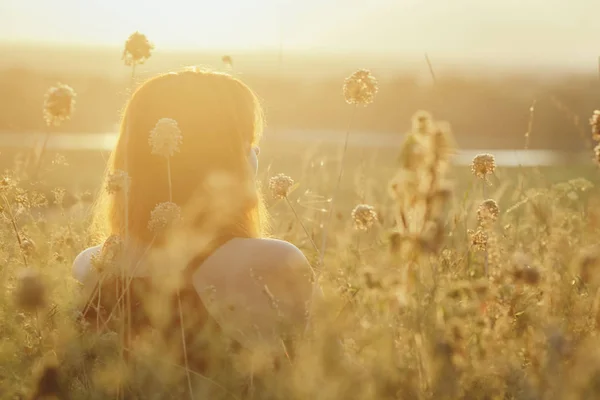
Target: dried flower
30,293
59,104
483,164
108,256
28,246
163,216
363,216
478,239
360,88
227,61
595,124
117,181
165,138
280,186
6,183
488,211
137,49
597,154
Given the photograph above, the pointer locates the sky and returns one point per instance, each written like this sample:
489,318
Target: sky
564,31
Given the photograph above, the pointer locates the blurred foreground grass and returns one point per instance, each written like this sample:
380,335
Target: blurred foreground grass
528,331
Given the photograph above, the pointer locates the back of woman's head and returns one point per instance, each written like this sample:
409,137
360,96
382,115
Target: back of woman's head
220,119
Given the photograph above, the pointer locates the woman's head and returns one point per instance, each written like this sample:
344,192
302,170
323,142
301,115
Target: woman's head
220,120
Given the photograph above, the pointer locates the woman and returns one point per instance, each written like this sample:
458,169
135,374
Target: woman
189,140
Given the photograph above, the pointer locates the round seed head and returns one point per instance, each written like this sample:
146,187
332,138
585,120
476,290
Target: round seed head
165,138
488,211
595,124
483,165
597,154
30,293
280,186
363,216
360,88
227,61
28,246
478,239
137,49
59,104
163,216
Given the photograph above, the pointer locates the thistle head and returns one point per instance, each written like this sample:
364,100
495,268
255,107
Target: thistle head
363,216
165,138
280,186
137,49
360,88
59,104
483,165
163,216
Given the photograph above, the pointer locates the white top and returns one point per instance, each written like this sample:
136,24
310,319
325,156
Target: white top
249,286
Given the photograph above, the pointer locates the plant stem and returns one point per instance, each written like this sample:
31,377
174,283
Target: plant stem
302,225
486,266
38,163
339,180
185,358
16,229
169,179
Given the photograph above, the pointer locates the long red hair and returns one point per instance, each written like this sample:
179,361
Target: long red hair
220,118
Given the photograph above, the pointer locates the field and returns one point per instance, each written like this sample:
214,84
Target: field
463,286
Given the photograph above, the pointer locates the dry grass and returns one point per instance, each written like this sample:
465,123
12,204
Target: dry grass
528,330
439,283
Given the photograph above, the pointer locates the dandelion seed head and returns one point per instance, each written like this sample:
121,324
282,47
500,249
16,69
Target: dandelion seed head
360,88
59,104
280,186
165,138
363,216
137,49
163,216
483,165
117,181
30,293
488,211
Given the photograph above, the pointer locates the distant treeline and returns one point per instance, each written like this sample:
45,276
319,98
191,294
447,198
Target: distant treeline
484,111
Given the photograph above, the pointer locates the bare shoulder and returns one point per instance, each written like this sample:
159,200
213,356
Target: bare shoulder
82,264
257,256
263,280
